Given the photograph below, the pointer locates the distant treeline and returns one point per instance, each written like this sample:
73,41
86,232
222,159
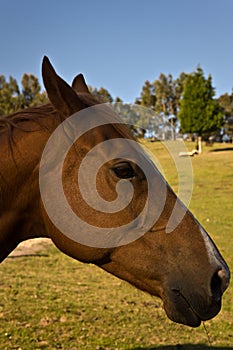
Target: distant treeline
188,101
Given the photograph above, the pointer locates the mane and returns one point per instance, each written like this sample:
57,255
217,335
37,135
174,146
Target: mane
34,114
31,114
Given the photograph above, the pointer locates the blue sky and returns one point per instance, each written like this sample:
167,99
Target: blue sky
118,44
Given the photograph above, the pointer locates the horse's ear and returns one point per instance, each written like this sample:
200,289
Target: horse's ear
60,94
79,84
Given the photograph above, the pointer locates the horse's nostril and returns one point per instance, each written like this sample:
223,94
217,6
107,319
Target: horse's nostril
216,288
225,278
219,284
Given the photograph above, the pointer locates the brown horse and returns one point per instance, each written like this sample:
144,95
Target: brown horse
184,268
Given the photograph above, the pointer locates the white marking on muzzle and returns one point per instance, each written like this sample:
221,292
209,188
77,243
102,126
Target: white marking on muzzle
213,254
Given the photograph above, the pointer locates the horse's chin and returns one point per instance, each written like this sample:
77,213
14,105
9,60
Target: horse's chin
182,314
179,310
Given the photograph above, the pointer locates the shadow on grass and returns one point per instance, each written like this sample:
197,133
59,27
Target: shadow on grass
185,347
38,255
222,149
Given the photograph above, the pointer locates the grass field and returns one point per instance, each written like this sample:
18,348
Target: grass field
50,301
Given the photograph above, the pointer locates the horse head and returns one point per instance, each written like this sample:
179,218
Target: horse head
181,265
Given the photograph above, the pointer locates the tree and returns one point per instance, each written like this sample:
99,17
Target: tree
118,100
199,111
166,99
147,98
31,95
11,99
127,112
9,96
102,94
165,95
226,103
179,88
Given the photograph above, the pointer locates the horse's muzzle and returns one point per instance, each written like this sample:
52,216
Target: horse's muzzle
192,306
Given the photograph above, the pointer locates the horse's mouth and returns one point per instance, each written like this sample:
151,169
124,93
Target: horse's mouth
180,310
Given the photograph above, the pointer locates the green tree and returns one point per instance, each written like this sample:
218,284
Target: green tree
147,97
167,99
31,95
12,99
199,111
165,95
226,103
128,113
118,100
162,96
179,88
9,96
102,94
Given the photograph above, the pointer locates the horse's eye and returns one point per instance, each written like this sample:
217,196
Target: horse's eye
124,171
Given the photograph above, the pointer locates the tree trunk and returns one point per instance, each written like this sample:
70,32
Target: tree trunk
199,144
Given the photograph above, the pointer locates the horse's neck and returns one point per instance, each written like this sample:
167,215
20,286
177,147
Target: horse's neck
20,214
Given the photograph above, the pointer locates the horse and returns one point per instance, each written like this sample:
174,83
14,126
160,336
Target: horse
183,267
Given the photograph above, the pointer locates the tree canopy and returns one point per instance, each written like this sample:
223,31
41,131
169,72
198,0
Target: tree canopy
9,95
102,94
12,98
199,111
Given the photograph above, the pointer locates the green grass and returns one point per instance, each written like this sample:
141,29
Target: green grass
50,301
